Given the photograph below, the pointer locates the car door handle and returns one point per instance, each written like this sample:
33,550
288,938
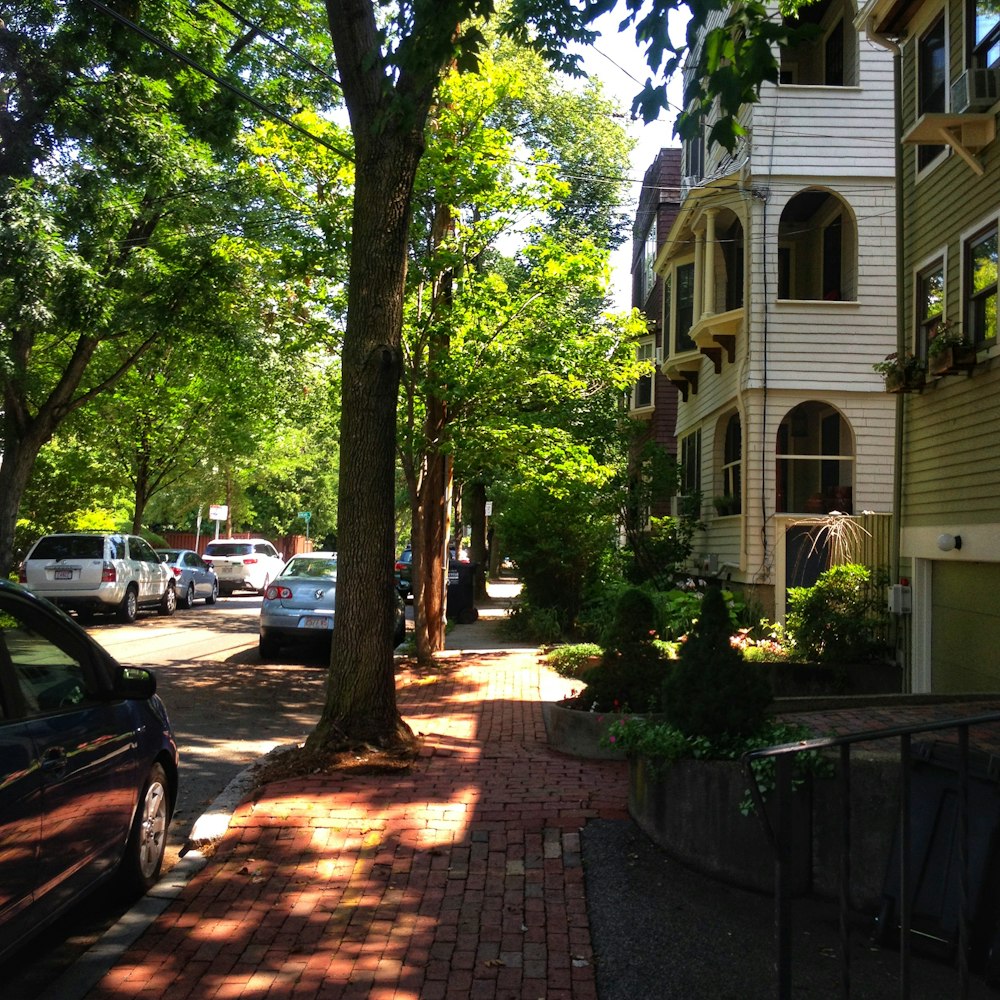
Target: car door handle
54,759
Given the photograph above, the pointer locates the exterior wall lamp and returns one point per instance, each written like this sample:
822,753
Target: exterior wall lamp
948,542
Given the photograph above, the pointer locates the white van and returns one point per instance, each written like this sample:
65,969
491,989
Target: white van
243,563
99,573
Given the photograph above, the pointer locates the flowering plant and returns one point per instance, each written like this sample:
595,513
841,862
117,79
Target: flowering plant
945,337
907,368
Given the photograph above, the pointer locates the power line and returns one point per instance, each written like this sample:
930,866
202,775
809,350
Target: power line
221,81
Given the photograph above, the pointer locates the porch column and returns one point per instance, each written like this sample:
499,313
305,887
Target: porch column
708,262
699,272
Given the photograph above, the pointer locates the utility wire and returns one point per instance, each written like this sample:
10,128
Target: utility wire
221,81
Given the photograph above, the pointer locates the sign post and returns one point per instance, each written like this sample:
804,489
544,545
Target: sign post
218,512
306,516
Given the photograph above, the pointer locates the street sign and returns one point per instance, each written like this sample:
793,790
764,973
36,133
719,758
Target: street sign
306,515
489,508
218,512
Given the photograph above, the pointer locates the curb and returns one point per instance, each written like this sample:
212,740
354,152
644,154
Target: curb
75,982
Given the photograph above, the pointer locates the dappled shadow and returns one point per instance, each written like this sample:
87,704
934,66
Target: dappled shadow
463,870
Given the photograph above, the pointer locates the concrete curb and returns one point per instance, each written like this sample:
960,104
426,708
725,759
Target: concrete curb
209,828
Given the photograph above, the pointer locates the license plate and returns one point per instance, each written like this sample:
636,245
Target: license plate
312,622
64,574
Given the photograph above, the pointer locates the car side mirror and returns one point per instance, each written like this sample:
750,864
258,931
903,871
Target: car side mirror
135,683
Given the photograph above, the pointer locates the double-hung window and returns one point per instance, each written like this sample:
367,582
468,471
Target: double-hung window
932,80
930,304
981,287
984,23
685,309
642,391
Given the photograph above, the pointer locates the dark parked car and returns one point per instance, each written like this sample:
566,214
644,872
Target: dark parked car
301,603
193,577
404,572
88,767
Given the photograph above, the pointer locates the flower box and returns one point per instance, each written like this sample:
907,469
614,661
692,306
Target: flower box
952,360
899,381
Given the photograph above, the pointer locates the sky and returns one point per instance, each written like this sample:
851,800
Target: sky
616,60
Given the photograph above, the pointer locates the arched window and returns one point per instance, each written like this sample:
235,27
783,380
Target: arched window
732,462
814,461
817,248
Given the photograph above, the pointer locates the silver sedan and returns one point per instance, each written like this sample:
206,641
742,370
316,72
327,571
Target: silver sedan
301,602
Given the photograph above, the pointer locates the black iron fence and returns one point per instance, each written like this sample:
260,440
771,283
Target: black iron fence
971,849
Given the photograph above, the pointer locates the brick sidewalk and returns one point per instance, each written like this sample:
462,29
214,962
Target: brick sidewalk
461,878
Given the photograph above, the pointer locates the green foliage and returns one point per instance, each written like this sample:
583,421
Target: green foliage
661,744
534,624
557,535
712,692
839,619
572,659
633,666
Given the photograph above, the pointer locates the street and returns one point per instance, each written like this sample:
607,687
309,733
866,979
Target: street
228,710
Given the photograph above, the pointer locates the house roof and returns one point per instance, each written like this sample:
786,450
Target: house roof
887,17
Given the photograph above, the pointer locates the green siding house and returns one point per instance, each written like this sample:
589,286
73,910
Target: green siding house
947,65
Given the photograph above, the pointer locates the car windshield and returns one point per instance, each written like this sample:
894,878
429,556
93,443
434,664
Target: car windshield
69,547
319,568
229,549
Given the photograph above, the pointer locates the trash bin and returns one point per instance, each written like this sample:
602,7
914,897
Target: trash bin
935,871
460,605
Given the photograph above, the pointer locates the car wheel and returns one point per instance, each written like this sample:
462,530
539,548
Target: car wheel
188,599
214,595
268,646
147,840
168,602
129,606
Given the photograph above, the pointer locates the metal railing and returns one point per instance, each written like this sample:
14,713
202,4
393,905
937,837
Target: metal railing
779,835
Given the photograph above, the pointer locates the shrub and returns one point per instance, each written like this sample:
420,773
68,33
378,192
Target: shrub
633,665
839,618
711,691
572,659
534,624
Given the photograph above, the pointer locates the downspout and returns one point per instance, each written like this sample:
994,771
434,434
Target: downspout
897,485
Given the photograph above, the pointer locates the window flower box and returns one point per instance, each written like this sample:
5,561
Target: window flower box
902,374
948,352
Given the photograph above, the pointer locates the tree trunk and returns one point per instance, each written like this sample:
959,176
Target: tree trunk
476,493
16,466
361,694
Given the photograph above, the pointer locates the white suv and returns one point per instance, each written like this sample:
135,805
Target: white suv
243,563
107,573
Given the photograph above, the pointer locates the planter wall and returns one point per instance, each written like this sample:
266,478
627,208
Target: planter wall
691,810
580,734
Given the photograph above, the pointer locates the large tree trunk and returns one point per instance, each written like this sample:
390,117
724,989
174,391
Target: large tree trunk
361,695
15,471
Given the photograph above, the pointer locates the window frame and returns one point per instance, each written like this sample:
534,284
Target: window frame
981,49
645,350
685,267
926,321
977,300
689,448
928,155
732,463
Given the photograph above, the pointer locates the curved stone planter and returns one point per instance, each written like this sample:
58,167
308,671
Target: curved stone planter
691,809
580,734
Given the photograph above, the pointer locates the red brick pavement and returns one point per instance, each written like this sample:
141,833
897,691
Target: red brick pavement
461,878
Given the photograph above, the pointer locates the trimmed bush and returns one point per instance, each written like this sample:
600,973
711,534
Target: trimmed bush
711,691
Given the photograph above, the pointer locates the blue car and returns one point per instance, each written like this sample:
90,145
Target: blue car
88,768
